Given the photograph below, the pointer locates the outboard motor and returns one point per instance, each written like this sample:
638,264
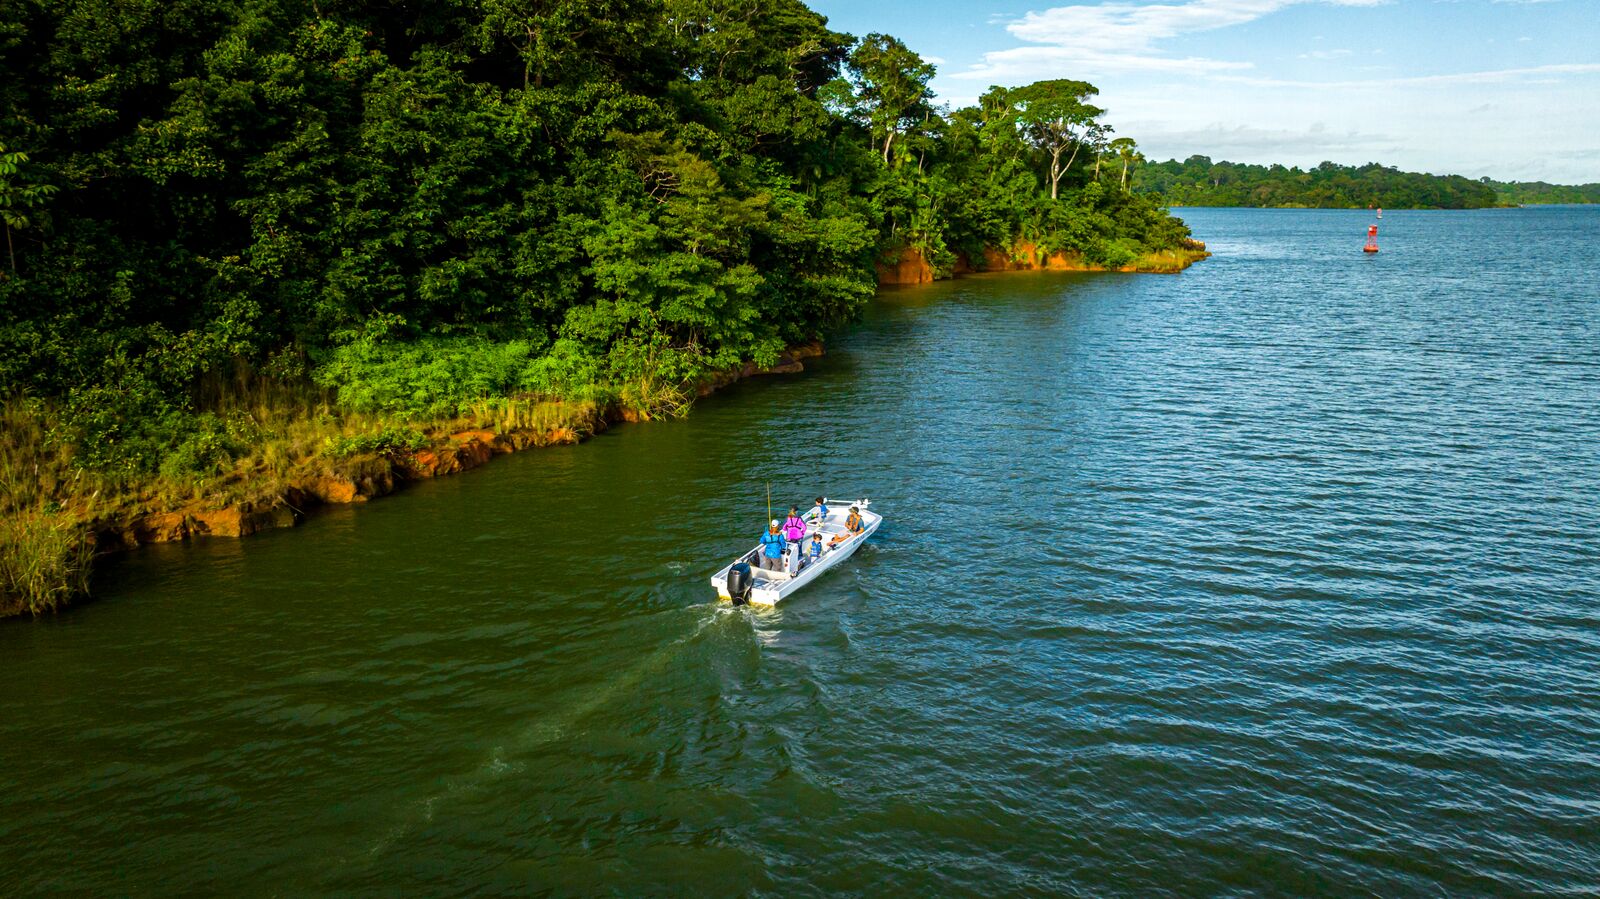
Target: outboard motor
739,583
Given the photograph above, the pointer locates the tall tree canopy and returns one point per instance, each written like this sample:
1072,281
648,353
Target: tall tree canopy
532,195
893,85
1057,117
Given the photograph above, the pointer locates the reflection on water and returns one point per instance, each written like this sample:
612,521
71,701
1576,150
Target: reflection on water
1276,576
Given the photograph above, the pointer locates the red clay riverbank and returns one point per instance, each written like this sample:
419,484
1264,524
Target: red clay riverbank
331,482
912,267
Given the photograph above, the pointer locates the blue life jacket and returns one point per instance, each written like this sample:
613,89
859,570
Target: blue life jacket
772,545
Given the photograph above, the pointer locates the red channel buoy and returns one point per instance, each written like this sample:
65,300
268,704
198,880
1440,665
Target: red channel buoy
1372,240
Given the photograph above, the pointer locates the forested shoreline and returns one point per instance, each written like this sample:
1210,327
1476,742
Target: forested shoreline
255,244
1198,181
1542,193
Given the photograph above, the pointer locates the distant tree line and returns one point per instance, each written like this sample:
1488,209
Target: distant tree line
1197,181
1538,193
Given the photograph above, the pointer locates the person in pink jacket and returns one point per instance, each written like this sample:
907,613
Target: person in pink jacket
794,530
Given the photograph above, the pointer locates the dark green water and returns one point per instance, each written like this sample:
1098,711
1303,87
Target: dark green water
1276,576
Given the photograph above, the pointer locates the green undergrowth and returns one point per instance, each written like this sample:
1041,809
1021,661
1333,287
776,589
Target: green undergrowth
68,468
389,441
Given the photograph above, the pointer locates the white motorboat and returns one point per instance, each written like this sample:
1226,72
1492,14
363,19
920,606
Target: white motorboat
755,584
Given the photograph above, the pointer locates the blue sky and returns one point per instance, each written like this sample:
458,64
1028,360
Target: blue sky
1505,88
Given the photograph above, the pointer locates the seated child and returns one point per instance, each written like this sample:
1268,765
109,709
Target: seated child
816,546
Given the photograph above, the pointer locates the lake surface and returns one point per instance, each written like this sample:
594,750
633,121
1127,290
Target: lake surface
1279,575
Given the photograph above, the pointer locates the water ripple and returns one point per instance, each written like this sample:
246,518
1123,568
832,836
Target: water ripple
1275,577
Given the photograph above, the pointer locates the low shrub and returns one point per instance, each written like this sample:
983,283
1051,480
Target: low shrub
126,430
389,441
425,378
208,449
1116,253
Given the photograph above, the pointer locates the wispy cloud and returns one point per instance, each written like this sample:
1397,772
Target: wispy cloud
1532,75
1123,37
1325,54
1220,140
1031,62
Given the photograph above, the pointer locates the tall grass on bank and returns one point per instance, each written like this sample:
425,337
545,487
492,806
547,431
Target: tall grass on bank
44,551
44,561
535,413
1164,262
245,437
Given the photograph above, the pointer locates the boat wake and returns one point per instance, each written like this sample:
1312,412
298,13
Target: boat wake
549,729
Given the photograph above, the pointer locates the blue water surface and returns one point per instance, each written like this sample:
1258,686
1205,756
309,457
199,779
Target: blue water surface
1277,576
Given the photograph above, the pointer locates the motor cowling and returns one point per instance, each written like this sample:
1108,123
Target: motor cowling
739,583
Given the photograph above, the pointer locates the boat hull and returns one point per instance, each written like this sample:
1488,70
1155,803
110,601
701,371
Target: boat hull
772,587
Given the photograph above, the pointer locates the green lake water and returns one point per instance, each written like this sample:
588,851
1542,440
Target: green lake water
1279,575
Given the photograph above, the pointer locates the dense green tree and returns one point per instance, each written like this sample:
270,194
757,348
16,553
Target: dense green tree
422,205
1127,153
893,87
1057,117
19,197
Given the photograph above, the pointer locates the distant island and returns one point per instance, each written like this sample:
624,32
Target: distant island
1197,181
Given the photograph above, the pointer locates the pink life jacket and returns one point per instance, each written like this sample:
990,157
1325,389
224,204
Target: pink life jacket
794,528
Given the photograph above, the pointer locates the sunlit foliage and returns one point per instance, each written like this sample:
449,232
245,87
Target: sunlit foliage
428,205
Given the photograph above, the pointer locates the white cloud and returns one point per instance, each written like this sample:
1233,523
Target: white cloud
1022,63
1325,54
1122,37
